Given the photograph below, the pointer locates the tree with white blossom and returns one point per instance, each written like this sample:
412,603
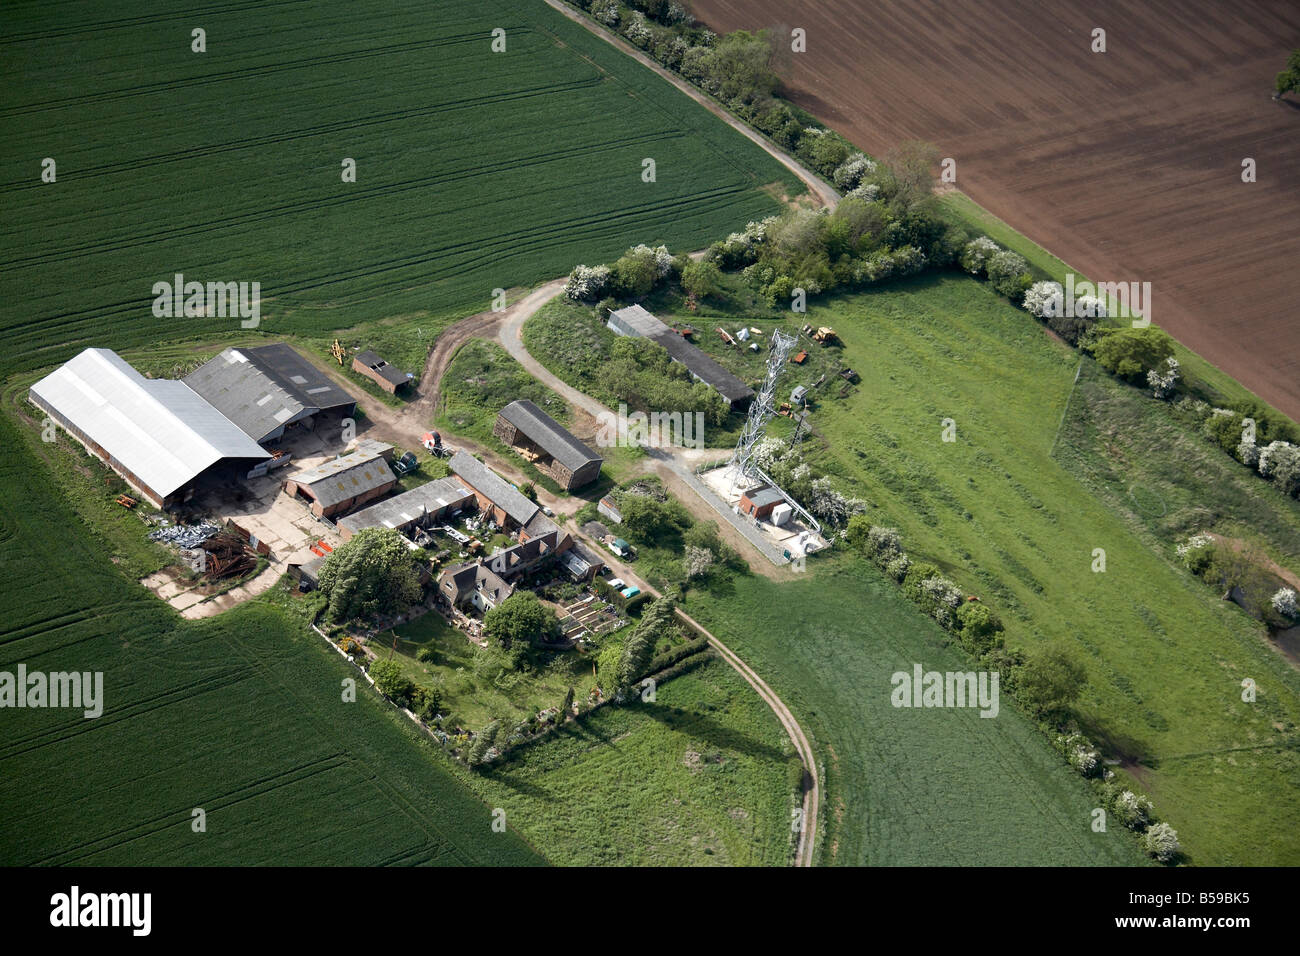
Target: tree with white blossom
1163,383
977,253
1161,841
1280,460
1284,602
587,282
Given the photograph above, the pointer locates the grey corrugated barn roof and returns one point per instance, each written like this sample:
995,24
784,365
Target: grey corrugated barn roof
262,389
499,491
401,510
342,478
157,429
636,321
548,434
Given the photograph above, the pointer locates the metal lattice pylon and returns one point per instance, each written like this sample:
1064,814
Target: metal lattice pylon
761,410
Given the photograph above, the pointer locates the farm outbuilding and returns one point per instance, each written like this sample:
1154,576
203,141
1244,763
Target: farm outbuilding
759,502
547,444
431,502
373,367
636,322
499,499
157,434
267,389
343,483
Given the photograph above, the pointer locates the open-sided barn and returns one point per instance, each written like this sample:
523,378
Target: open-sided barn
636,322
158,434
267,389
548,444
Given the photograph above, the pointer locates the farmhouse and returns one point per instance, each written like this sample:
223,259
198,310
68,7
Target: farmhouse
497,498
759,502
490,580
343,483
380,372
269,389
548,445
636,322
428,503
158,434
474,584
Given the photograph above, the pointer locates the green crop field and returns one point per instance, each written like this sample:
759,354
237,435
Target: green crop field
242,717
1002,516
474,170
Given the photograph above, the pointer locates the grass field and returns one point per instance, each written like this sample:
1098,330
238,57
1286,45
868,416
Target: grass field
703,776
1008,522
475,170
904,787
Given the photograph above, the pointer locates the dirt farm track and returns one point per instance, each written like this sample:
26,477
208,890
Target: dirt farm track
1126,164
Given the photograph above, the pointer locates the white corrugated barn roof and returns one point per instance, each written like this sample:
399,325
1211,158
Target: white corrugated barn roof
160,430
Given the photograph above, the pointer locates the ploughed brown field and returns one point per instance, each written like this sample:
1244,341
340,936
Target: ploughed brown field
1126,164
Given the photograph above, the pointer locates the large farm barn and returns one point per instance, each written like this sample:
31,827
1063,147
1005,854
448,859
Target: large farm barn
269,389
158,434
547,444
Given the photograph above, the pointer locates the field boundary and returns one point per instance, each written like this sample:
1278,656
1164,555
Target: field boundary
818,187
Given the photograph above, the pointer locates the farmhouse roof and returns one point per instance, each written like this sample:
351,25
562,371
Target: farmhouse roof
493,487
401,510
372,361
342,478
548,434
157,429
262,389
475,576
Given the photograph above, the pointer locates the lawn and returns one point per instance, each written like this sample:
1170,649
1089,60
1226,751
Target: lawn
1011,524
473,696
475,170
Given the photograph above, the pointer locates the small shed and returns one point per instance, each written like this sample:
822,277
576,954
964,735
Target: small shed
759,502
379,371
610,510
799,394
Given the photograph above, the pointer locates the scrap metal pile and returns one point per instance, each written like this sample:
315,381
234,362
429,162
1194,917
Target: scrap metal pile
209,550
184,536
